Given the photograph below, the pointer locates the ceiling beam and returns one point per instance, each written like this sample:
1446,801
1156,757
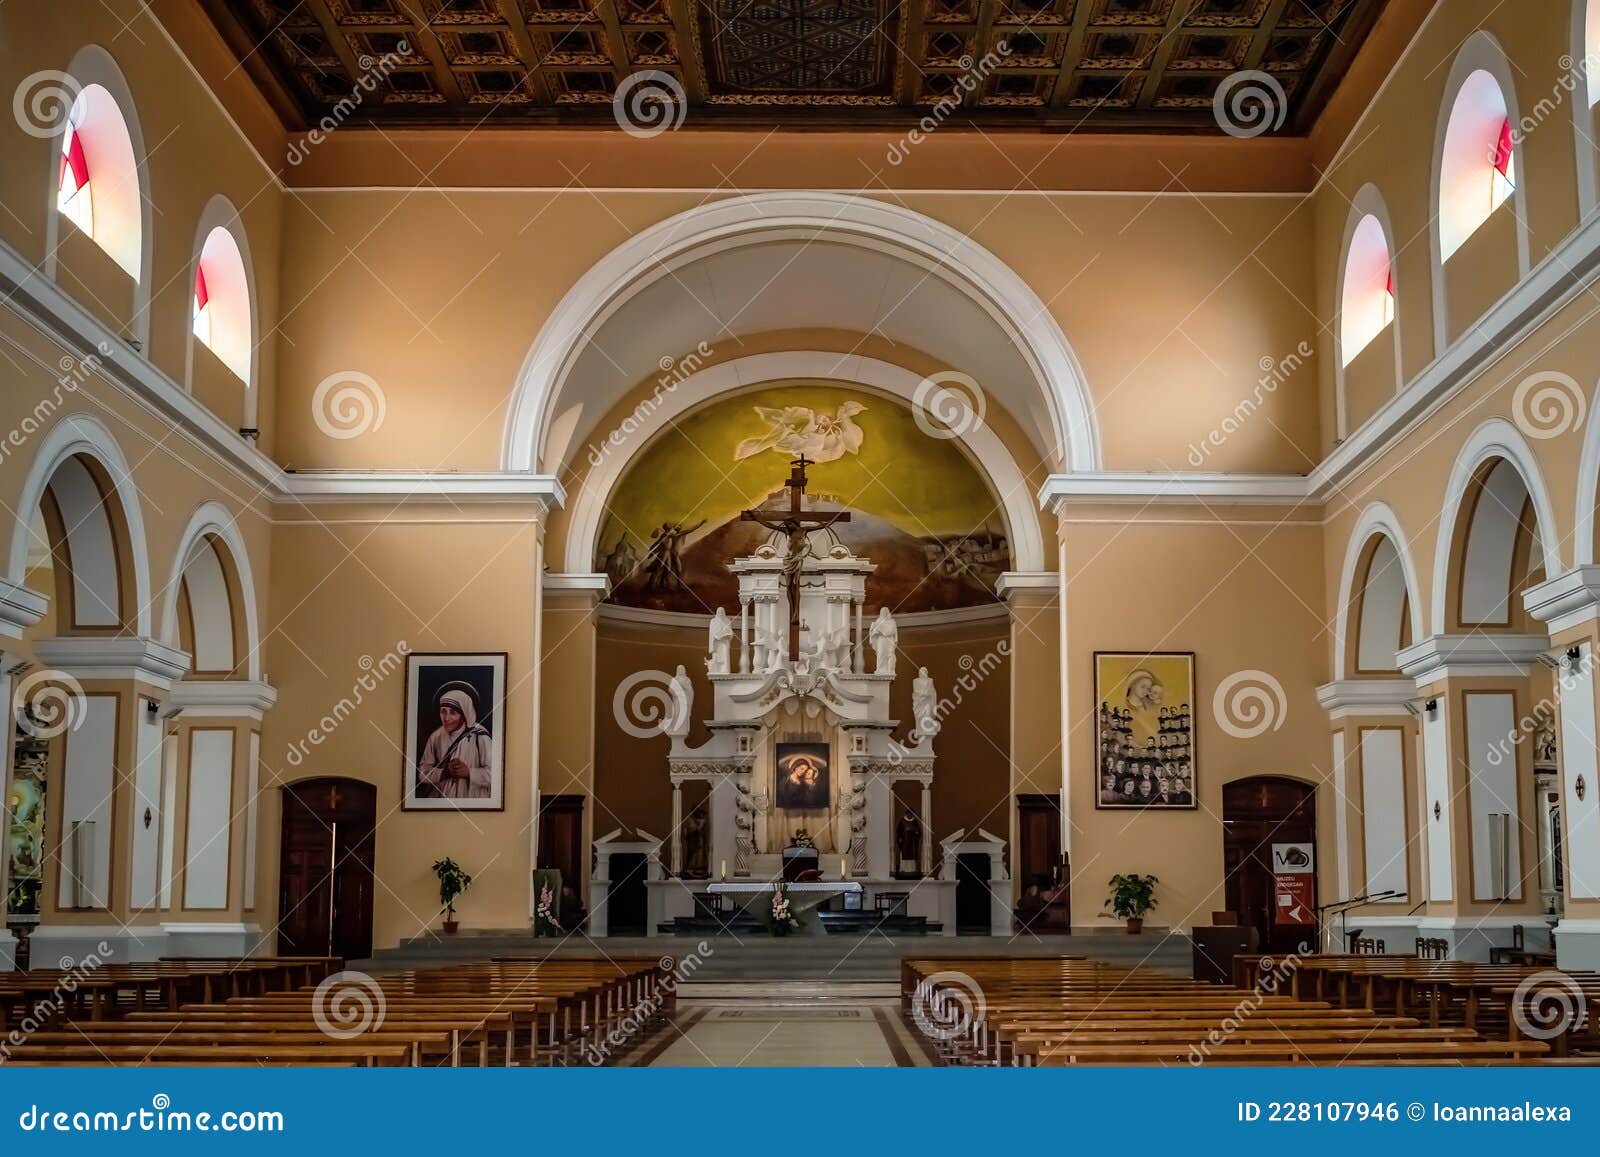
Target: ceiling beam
1165,47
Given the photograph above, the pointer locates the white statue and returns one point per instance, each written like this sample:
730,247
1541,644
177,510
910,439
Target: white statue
677,725
719,660
885,638
925,704
832,650
769,652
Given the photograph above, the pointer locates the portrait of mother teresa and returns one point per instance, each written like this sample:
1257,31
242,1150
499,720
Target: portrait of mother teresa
457,760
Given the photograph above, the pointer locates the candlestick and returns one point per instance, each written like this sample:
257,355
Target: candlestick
724,869
844,868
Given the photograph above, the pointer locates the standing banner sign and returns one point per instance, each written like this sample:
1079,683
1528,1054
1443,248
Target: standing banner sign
1294,873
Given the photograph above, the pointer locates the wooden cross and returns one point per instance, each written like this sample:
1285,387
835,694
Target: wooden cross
795,523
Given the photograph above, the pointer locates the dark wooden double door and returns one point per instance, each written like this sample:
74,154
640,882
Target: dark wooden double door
326,869
1257,813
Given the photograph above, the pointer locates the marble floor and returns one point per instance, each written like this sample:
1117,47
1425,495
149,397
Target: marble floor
835,1030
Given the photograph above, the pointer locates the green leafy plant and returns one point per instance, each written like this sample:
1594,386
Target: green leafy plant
1132,895
452,882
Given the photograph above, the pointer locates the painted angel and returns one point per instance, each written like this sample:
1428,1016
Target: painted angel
794,431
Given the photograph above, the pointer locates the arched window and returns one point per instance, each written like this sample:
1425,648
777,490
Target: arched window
1478,168
1366,306
97,181
221,314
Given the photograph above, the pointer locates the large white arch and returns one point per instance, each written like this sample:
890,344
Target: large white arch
1585,84
1583,551
92,64
1378,520
1496,438
214,519
1480,51
85,435
993,461
219,213
739,222
1368,201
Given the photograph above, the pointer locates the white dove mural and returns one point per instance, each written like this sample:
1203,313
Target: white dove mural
800,430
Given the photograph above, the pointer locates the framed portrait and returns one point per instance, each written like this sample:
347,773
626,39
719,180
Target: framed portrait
802,776
1144,730
454,739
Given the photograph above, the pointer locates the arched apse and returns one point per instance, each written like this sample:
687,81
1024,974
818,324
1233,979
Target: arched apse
1380,609
209,601
1496,529
80,479
848,262
1479,95
113,131
980,444
1367,276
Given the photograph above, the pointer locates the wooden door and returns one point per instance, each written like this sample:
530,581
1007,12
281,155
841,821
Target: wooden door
326,869
561,837
1257,813
1038,840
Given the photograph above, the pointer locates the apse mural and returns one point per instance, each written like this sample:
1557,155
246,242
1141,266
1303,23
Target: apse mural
919,509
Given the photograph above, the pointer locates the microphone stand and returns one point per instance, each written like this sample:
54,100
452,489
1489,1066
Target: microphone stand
1343,908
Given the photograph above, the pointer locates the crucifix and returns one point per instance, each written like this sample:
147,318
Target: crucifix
795,523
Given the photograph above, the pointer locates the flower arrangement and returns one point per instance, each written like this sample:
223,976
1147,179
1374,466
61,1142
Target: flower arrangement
782,920
547,907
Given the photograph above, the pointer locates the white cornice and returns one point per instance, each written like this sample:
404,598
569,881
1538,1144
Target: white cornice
1145,487
596,584
1566,600
20,608
690,621
420,486
223,698
1471,657
1349,697
113,657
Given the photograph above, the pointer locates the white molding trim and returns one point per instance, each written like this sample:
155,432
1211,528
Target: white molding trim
693,621
20,608
1568,600
421,486
1348,697
598,584
1471,657
1470,923
751,219
215,519
1582,111
1377,519
1191,487
223,698
980,444
1016,582
134,657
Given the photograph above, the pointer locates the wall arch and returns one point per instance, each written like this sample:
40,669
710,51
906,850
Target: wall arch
90,66
980,443
1585,56
1583,550
1481,52
1495,438
214,522
738,222
219,213
1368,202
1377,521
74,436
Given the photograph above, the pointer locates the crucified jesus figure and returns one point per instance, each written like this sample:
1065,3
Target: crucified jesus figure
796,524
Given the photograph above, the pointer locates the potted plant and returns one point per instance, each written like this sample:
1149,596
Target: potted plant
1132,895
452,882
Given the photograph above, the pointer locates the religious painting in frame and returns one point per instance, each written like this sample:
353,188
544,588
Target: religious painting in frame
454,739
802,776
1144,730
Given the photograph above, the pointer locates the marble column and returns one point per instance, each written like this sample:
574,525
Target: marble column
569,648
927,830
677,829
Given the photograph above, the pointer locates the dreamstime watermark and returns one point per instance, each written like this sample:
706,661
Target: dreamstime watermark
971,78
1548,404
1274,974
650,703
1249,103
1249,703
948,405
74,372
373,70
1573,74
1542,713
1547,1004
348,404
48,703
673,373
348,1004
374,672
44,1011
43,101
649,103
1275,371
644,1013
947,1005
973,674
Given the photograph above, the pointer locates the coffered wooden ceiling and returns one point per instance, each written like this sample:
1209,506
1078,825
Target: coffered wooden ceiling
1110,65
